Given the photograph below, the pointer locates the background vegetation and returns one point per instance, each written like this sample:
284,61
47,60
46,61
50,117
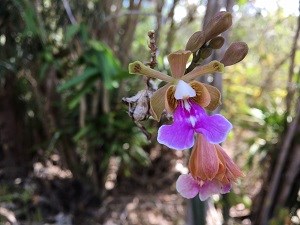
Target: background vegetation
70,154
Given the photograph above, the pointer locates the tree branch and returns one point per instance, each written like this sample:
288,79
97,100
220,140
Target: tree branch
289,87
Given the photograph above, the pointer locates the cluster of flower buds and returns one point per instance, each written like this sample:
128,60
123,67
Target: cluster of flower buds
211,170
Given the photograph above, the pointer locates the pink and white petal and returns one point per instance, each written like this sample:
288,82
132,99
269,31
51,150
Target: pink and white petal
178,136
215,128
187,186
210,188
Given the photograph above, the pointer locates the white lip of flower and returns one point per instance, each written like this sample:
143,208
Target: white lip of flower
184,91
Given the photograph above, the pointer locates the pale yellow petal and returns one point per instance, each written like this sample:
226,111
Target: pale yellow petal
140,69
213,66
157,102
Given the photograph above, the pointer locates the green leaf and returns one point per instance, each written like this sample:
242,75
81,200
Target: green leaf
82,132
43,70
87,73
78,95
72,30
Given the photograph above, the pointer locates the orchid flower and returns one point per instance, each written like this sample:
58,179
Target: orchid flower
205,95
212,171
189,117
186,101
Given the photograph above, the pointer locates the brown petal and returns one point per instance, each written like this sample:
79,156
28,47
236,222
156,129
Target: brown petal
231,167
195,166
202,95
170,101
140,69
196,41
157,102
177,61
204,161
213,66
215,96
222,166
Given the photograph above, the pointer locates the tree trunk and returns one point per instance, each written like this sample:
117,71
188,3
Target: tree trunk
280,180
277,191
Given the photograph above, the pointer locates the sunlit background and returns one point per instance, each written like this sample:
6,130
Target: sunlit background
71,154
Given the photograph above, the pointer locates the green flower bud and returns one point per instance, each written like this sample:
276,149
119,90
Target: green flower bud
216,42
205,52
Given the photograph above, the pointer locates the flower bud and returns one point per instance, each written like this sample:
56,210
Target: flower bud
205,53
216,42
235,53
217,25
196,41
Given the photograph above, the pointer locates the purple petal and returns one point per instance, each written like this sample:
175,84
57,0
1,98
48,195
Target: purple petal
225,188
187,186
215,128
180,134
210,188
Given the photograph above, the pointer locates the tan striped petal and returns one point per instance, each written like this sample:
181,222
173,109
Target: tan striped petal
215,96
177,61
170,101
157,102
202,95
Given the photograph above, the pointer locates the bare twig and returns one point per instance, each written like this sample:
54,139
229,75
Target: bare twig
172,28
126,13
269,76
9,215
69,11
290,91
159,7
129,26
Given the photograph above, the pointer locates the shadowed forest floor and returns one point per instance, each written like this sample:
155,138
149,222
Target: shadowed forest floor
50,195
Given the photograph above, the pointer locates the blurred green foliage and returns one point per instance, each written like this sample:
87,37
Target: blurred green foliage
68,83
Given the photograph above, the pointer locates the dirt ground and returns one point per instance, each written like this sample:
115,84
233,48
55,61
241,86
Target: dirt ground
50,195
